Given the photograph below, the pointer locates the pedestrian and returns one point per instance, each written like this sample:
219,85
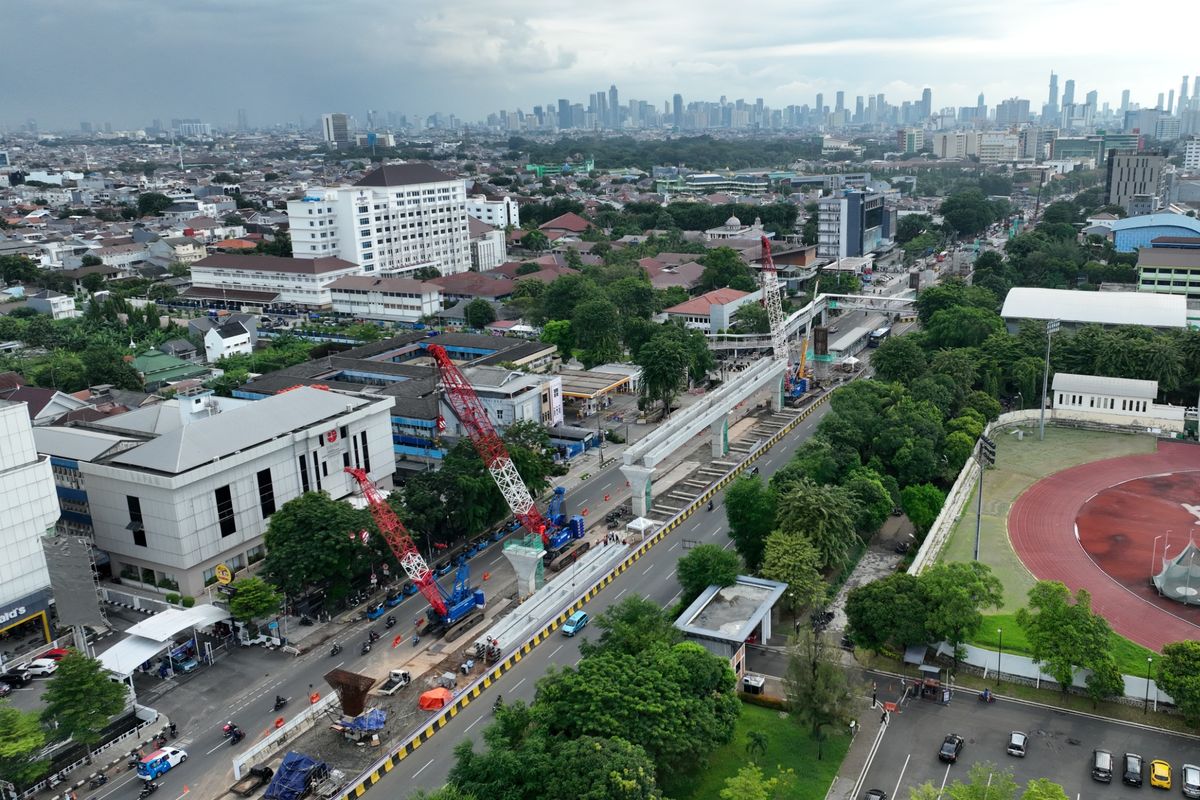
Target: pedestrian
883,717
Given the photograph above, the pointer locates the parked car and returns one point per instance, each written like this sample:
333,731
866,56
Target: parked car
875,794
1189,779
17,676
5,690
1132,775
1160,774
56,654
575,623
160,761
1016,744
1102,766
952,746
42,667
184,664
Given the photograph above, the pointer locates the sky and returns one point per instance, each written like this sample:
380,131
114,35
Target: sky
130,61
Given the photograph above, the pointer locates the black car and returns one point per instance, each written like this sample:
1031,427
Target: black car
952,746
16,677
875,794
1132,774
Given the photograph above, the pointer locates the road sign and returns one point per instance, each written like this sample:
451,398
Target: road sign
223,573
1053,325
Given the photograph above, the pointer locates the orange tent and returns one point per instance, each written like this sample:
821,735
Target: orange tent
435,699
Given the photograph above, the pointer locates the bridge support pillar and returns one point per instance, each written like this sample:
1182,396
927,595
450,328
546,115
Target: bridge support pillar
777,392
640,480
526,559
720,437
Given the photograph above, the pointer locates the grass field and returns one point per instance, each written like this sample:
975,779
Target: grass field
1020,464
788,746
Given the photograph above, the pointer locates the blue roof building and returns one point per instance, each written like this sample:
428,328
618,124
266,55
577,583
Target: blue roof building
1132,233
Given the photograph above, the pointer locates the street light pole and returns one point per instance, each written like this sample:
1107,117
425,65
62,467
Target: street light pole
1051,329
1146,706
999,653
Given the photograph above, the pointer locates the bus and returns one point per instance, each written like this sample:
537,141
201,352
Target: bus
879,335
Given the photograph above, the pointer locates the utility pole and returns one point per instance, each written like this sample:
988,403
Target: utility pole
1052,327
986,457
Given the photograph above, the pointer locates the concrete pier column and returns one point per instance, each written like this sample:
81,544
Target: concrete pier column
777,393
720,437
640,479
525,556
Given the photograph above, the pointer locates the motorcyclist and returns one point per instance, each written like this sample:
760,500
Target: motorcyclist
710,505
279,701
496,706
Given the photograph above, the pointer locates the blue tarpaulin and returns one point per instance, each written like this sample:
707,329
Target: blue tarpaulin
294,777
371,720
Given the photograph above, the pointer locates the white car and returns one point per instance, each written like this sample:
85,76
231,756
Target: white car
41,667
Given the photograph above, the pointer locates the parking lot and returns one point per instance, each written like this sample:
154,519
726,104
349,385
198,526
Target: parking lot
1059,748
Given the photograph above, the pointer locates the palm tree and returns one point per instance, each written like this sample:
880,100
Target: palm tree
756,742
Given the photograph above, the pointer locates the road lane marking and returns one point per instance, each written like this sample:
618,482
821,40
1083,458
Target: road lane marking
215,749
896,791
726,547
560,647
647,570
945,778
473,724
671,602
623,591
422,769
515,685
338,664
672,547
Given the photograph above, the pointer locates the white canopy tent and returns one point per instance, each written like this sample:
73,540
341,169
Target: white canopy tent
127,655
155,635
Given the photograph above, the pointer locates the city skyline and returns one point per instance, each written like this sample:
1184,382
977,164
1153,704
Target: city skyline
283,61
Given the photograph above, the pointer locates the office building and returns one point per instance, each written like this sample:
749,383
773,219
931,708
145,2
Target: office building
852,223
1133,174
335,129
956,144
499,213
1052,101
614,107
1068,97
677,110
1170,265
998,147
28,511
1013,111
385,299
910,140
176,489
564,114
393,221
1191,154
268,280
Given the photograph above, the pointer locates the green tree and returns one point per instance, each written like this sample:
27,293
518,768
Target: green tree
21,739
750,511
152,204
664,363
632,626
962,327
818,695
703,566
724,267
564,294
1043,789
794,561
985,781
892,609
922,503
479,313
365,332
1064,636
1179,676
910,226
309,543
899,358
80,699
159,292
968,212
823,514
633,296
1104,680
956,594
602,769
597,327
751,318
535,241
280,245
756,742
253,598
62,370
93,282
751,784
873,502
558,332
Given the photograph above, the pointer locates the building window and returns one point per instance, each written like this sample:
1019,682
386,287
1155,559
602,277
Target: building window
266,493
317,470
303,473
366,457
135,520
225,517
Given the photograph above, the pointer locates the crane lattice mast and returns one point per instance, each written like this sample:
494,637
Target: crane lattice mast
773,302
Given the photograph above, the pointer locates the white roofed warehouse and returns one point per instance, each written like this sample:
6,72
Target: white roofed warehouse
1075,309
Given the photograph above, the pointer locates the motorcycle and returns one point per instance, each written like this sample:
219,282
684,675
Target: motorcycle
160,741
228,729
236,736
134,759
499,704
98,781
333,651
373,637
710,505
366,648
986,696
280,702
148,788
389,622
173,729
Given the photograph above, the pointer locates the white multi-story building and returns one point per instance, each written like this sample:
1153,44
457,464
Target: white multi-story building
1191,154
488,248
183,489
230,339
56,304
508,396
497,213
955,144
28,510
388,299
299,281
393,221
999,147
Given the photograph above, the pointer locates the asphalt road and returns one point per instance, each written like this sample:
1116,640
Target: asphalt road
1060,746
653,577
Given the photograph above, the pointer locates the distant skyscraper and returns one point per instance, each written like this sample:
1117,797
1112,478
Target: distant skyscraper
677,109
1183,95
841,101
1068,97
1052,101
335,128
1124,100
1160,101
1170,102
85,127
820,103
564,114
858,108
926,103
614,107
242,124
1093,98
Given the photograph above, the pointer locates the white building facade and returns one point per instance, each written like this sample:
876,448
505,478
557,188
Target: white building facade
173,507
395,220
1191,154
28,510
387,299
488,247
498,213
230,339
300,281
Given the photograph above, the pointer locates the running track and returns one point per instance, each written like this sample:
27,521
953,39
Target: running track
1041,528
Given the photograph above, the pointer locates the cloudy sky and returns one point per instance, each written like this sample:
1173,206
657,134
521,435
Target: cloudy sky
129,61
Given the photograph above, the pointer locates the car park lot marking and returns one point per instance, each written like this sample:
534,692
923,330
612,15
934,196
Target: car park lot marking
896,790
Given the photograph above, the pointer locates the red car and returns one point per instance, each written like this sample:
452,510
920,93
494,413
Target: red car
56,654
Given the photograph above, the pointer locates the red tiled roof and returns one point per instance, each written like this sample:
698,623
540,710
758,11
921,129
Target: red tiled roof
570,222
699,306
474,284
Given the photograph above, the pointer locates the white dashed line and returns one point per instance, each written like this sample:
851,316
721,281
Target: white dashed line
422,769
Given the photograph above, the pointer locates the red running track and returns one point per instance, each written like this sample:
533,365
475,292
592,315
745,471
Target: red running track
1119,533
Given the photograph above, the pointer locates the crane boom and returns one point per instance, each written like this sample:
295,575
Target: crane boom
488,444
773,303
402,545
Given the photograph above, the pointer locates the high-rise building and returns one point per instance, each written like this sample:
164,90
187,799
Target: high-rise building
677,109
614,108
243,124
840,103
1124,101
1183,96
1191,154
335,128
1134,176
853,223
1159,105
926,103
564,114
1013,111
820,108
85,127
1092,99
1069,92
1170,102
393,221
1052,102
